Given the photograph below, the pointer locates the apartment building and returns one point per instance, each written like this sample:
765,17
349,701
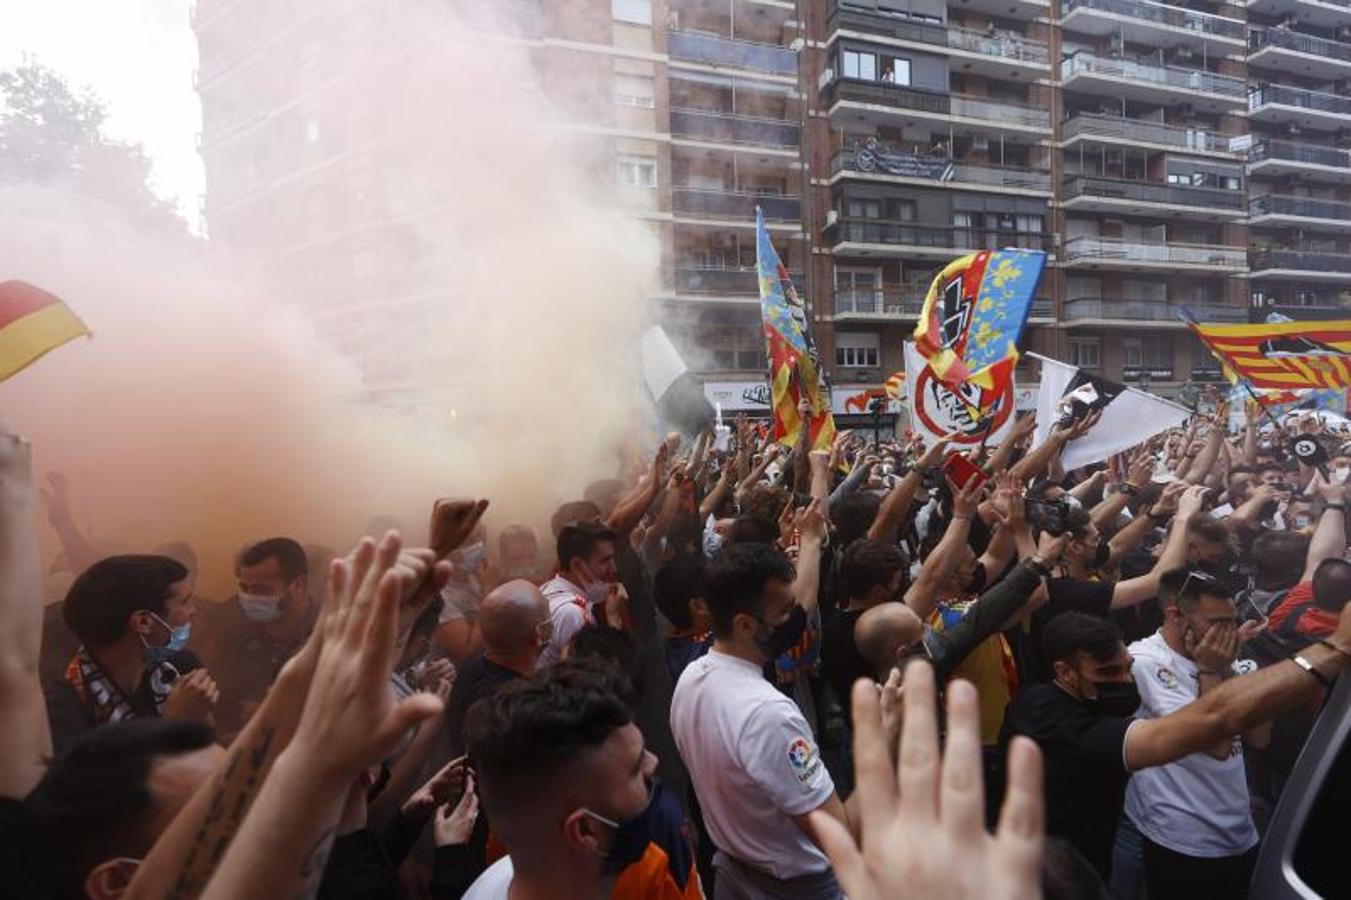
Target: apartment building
1165,156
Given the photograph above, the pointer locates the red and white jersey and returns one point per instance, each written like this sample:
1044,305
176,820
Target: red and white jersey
569,610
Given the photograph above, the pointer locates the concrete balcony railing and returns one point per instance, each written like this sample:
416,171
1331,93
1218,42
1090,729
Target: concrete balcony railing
881,94
1080,309
1303,207
1291,151
875,231
876,161
1136,131
1162,14
1150,192
1137,252
728,204
712,49
691,278
904,302
1281,39
734,128
1301,260
1280,95
1164,76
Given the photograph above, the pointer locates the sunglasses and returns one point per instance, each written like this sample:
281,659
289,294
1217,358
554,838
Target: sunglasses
1203,579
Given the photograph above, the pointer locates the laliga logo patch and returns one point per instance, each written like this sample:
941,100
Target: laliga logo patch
802,759
1166,677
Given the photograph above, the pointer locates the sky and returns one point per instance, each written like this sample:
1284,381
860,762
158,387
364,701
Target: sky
138,56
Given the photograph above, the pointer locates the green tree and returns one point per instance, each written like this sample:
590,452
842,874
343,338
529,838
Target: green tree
51,136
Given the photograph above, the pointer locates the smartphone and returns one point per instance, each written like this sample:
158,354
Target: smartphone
961,470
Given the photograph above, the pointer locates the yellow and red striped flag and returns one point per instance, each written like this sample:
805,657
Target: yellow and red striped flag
32,323
1285,355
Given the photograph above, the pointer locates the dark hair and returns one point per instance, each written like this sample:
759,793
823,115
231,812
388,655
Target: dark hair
99,602
854,515
749,528
1077,522
613,646
94,805
868,564
736,581
571,513
579,541
290,556
1332,584
1197,585
1279,557
1066,874
677,583
1069,634
519,738
765,501
1208,528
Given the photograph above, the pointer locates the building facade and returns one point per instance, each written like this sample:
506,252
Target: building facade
1164,156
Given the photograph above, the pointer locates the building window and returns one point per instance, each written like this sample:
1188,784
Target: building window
860,65
856,350
1085,352
864,209
634,90
896,71
637,171
639,12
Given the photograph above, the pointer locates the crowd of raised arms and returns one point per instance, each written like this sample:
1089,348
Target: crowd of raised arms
735,670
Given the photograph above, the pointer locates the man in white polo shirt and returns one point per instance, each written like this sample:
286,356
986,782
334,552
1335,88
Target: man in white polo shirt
586,571
750,753
1195,815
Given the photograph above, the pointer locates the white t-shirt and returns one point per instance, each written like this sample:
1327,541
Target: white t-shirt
569,611
494,883
753,762
1198,805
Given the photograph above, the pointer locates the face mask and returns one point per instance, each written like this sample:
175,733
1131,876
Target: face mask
1103,554
631,835
1116,699
596,594
774,641
259,608
178,637
470,557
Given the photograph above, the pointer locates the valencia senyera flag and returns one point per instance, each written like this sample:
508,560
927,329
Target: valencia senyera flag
32,323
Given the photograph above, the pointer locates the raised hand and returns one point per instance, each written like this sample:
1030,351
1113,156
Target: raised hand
1168,500
434,673
965,500
443,787
1050,547
1217,649
1078,429
1141,471
934,454
455,825
1191,501
192,698
1008,501
923,831
453,520
811,521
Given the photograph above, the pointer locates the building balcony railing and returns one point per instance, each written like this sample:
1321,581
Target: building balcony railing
1001,44
695,46
1304,207
1301,260
734,128
860,91
699,279
1162,14
874,231
1136,252
898,301
1150,192
1165,76
727,204
843,18
1290,151
1281,95
1079,309
876,161
1283,39
1137,131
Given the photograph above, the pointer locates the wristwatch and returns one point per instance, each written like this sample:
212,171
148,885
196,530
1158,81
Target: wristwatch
1128,489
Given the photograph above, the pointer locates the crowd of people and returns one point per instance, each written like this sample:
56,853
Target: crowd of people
735,670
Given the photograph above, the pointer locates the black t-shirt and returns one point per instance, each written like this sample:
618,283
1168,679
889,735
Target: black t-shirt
841,663
479,678
14,875
359,868
1085,763
1063,595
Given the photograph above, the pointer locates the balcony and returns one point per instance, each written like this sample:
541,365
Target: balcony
1275,157
1298,53
715,204
1154,24
1144,312
1319,13
985,115
874,237
1134,132
844,17
722,282
714,50
1286,105
733,128
877,163
1303,212
1086,192
1306,265
1000,45
1149,83
900,303
1116,254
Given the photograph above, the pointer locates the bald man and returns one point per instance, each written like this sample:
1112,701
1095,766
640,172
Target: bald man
515,627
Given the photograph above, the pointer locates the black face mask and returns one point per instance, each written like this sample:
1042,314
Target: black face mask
776,640
1116,699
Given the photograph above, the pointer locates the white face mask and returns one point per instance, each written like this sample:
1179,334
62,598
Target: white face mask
470,557
260,608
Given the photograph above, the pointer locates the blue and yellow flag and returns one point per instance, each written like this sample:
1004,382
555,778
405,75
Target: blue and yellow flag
795,368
